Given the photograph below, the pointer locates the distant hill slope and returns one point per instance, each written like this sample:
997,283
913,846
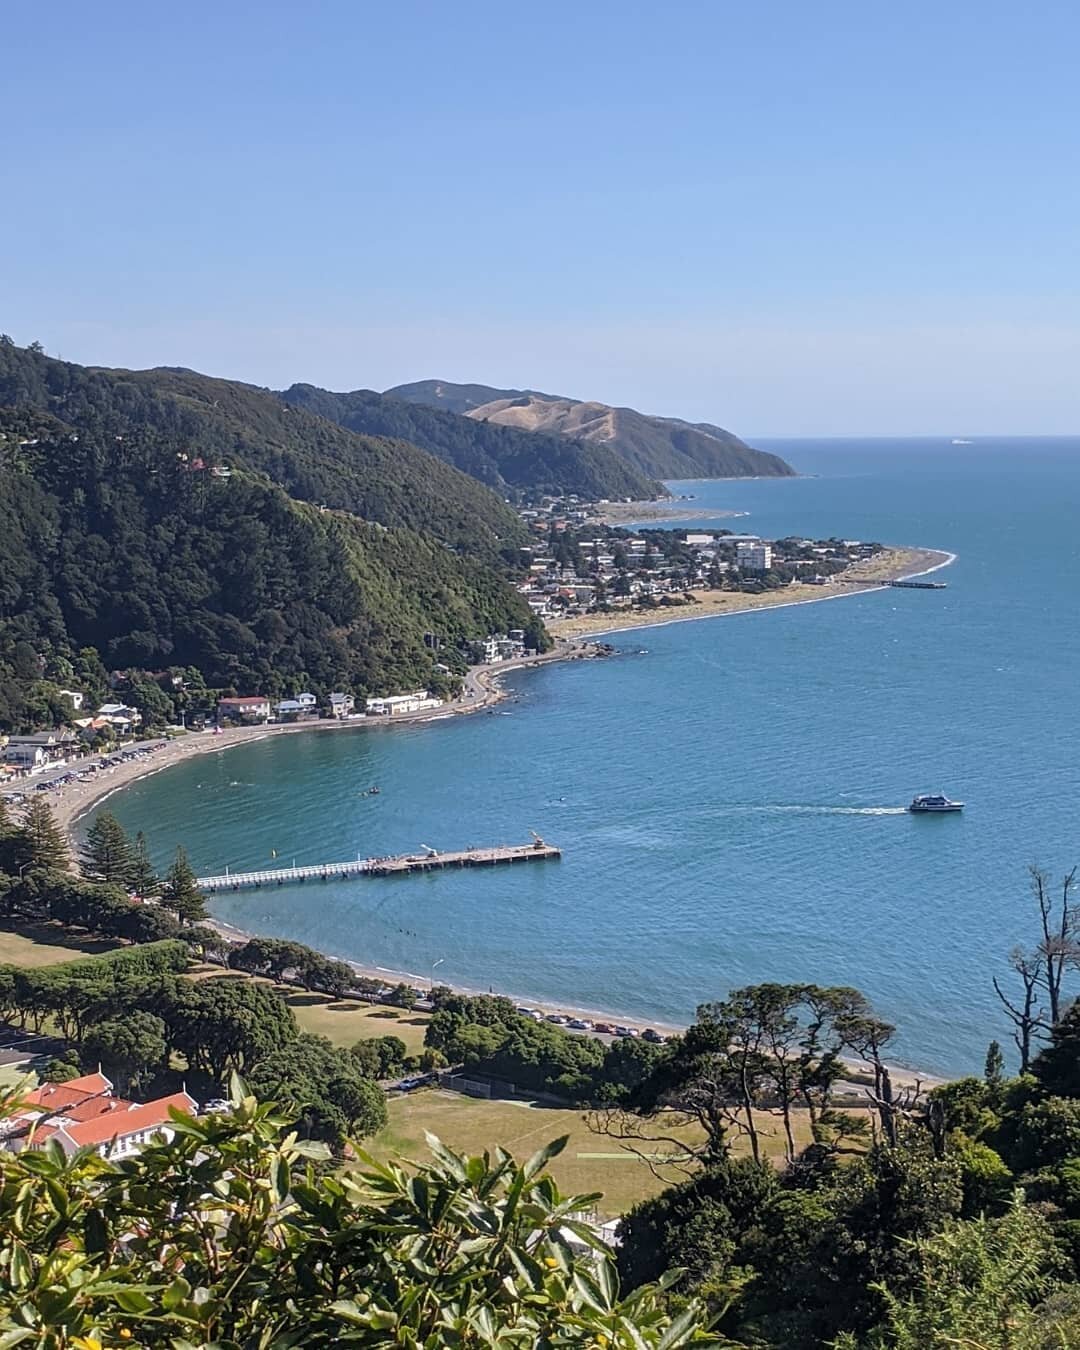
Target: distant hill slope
659,447
508,460
116,536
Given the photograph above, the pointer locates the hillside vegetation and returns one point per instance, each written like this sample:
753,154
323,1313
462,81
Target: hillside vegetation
521,463
118,545
659,447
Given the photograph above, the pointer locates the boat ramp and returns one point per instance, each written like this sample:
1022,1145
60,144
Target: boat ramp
431,860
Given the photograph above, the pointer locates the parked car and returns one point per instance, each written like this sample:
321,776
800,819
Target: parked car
579,1024
627,1031
558,1019
651,1034
603,1029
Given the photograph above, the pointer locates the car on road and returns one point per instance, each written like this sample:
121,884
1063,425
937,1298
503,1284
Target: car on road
603,1029
651,1034
557,1019
579,1024
627,1031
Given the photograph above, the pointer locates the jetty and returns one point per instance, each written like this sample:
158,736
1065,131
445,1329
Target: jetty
431,860
901,584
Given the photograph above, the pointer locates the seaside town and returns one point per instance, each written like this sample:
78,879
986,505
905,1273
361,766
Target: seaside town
576,565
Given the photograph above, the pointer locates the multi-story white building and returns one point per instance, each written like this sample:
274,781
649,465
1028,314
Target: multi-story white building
754,557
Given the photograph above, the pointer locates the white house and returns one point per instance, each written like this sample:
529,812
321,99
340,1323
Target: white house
396,704
75,695
120,715
341,705
303,705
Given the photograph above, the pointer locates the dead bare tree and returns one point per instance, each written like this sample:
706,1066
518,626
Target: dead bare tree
1059,947
1042,969
1027,1017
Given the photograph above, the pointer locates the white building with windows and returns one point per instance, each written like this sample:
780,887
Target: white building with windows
756,557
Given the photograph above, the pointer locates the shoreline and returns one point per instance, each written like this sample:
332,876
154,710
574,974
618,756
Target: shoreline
895,564
903,1075
483,690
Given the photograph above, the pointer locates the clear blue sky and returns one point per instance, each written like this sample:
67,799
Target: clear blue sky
791,218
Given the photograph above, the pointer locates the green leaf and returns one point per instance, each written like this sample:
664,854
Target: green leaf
543,1156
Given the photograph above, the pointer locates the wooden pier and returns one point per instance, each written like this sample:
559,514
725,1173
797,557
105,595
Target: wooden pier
430,861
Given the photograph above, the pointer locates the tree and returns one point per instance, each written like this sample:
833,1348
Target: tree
107,853
225,1024
129,1048
143,879
461,1251
324,1087
1042,969
380,1057
40,844
1057,1067
994,1070
404,996
980,1283
180,894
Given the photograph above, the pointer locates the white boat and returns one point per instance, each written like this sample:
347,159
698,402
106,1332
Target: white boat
932,803
958,440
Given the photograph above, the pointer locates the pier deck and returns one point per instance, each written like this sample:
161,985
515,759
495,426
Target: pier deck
400,865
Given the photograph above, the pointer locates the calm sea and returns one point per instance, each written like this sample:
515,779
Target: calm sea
728,793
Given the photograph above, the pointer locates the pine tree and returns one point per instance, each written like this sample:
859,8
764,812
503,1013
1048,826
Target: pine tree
994,1072
180,893
107,854
143,880
40,842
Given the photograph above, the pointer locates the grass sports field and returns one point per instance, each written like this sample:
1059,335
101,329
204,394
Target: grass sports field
590,1161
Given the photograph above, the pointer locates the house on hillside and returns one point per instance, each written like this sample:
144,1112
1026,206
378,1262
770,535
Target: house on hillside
244,710
85,1112
294,709
121,717
341,705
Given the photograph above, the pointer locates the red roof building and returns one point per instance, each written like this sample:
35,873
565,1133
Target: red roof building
85,1113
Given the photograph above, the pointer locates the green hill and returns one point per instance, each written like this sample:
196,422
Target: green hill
659,447
512,462
116,535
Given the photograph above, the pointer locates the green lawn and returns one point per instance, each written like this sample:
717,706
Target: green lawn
345,1022
590,1162
22,1076
47,945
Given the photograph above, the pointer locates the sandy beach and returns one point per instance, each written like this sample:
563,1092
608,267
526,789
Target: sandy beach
574,640
482,689
893,564
667,512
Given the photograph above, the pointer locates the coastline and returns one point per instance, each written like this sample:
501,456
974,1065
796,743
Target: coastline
894,564
574,638
482,690
904,1076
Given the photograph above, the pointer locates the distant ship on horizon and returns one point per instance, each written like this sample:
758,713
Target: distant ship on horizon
958,440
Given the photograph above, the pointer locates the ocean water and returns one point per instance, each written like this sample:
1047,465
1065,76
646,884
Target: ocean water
728,793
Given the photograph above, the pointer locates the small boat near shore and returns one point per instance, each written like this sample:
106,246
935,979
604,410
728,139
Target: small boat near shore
933,804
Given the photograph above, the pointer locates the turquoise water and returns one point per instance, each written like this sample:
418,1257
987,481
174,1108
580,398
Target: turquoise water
727,793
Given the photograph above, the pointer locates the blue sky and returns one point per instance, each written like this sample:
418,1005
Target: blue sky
793,219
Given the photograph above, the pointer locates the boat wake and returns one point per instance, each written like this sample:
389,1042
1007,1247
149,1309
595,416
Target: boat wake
800,810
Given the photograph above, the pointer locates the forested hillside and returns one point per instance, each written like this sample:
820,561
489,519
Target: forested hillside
518,463
659,447
120,545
